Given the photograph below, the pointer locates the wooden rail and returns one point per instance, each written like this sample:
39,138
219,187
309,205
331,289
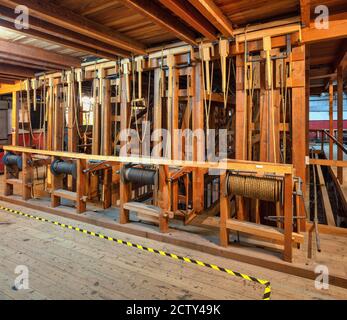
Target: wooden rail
252,166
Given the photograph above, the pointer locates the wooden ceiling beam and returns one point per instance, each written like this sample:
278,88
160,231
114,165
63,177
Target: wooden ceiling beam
337,30
39,65
56,40
16,71
38,54
214,14
305,9
193,17
163,18
63,17
10,70
99,7
7,81
24,64
69,36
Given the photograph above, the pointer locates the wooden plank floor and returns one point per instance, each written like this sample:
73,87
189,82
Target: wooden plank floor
65,264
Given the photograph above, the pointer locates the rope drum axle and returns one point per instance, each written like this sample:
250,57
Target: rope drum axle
262,188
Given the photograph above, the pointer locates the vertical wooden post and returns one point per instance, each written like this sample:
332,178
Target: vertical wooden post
73,121
340,120
125,188
198,146
58,122
240,140
224,213
107,143
176,143
27,177
81,204
157,111
299,116
331,119
164,200
288,218
57,183
15,116
8,190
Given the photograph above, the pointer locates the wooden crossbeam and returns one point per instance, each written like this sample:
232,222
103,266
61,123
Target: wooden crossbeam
36,64
20,50
56,40
305,10
65,18
47,30
16,71
251,166
337,30
163,18
24,64
6,81
214,14
191,16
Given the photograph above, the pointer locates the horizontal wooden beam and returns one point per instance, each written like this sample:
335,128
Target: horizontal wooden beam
337,30
214,14
324,76
38,54
6,81
16,71
162,18
329,163
252,166
24,64
56,40
36,64
47,30
63,17
191,16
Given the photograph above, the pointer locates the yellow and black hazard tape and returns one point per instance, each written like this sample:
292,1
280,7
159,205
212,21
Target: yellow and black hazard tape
267,291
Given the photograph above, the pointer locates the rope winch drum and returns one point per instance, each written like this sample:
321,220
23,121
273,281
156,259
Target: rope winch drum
266,188
13,160
141,176
59,167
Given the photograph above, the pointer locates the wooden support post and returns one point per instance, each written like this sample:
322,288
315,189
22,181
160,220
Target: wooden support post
125,188
58,133
27,177
81,203
331,119
299,121
198,145
73,120
240,139
107,142
224,213
176,143
15,116
164,199
57,183
340,120
157,112
288,218
96,140
8,190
